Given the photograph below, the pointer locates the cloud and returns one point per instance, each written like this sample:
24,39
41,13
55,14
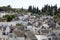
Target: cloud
26,3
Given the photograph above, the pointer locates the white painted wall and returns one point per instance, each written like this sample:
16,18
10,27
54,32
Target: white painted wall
7,30
18,38
8,23
0,34
40,37
2,14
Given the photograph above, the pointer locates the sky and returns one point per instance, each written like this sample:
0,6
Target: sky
26,3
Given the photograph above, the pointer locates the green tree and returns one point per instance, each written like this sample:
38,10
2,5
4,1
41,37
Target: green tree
20,26
9,6
37,10
9,17
57,17
34,10
30,9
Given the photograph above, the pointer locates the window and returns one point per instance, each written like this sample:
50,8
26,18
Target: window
43,39
49,38
59,34
3,33
56,39
53,34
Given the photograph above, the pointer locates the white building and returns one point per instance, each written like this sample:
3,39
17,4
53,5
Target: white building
41,37
2,14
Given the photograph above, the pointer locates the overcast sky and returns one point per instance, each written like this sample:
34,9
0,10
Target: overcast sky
26,3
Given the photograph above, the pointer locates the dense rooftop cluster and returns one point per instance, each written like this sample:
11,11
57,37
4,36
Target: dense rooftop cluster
31,24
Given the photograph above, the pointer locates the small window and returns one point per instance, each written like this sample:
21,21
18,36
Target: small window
59,34
56,38
53,34
4,33
49,38
43,39
15,36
